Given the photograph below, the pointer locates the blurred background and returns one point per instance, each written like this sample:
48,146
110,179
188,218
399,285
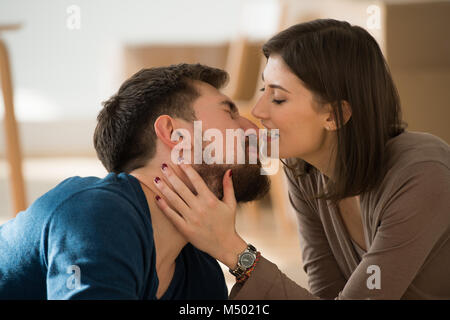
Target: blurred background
60,59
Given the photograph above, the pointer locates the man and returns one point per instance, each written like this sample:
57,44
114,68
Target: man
92,238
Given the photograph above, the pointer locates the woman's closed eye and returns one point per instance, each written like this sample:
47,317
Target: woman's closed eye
278,101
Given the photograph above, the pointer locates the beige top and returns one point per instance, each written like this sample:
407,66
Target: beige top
406,226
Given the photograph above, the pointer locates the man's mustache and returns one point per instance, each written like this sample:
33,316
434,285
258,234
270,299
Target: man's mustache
251,146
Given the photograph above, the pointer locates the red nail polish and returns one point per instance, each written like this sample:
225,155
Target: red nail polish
158,198
157,180
230,173
164,166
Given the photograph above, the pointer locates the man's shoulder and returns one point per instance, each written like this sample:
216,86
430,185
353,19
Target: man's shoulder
88,192
87,203
99,199
100,219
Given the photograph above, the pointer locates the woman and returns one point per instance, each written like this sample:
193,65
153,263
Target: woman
372,199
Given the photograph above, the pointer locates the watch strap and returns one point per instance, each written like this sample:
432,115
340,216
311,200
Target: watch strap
239,270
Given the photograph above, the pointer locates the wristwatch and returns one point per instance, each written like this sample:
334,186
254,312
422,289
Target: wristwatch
245,261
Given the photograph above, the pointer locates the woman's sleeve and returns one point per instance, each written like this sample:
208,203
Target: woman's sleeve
324,276
415,217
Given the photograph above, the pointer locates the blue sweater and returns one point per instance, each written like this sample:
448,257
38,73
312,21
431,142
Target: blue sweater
92,238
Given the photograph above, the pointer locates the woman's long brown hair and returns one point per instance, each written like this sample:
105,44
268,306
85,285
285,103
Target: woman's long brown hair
340,62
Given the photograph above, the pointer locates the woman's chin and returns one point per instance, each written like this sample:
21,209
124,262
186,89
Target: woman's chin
286,154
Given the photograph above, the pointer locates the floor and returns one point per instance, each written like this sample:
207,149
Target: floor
279,245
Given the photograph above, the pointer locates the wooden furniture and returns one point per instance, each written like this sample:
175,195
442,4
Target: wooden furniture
138,56
13,152
418,54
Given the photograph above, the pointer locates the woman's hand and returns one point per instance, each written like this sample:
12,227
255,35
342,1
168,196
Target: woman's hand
206,222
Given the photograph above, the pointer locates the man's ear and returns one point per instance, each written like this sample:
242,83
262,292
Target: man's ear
164,127
331,123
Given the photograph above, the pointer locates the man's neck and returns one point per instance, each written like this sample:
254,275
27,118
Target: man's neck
168,241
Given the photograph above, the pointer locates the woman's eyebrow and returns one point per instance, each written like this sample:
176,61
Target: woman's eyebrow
274,86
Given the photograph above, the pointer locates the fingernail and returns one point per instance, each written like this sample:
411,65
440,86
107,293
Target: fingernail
157,180
230,173
164,166
158,198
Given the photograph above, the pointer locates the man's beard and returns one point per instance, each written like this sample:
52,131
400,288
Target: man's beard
248,182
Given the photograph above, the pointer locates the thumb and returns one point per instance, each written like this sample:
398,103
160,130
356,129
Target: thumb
228,189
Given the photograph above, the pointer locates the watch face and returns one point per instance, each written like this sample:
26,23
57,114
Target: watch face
247,259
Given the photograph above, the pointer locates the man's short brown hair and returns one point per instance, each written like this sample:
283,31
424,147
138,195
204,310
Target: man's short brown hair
124,137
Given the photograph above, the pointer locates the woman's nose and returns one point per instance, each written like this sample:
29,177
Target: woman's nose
259,111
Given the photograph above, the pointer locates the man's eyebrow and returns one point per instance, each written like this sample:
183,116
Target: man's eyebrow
274,86
230,104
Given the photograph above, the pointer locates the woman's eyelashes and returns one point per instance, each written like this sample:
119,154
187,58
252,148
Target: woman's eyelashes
278,101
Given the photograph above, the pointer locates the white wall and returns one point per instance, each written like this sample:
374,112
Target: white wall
62,73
